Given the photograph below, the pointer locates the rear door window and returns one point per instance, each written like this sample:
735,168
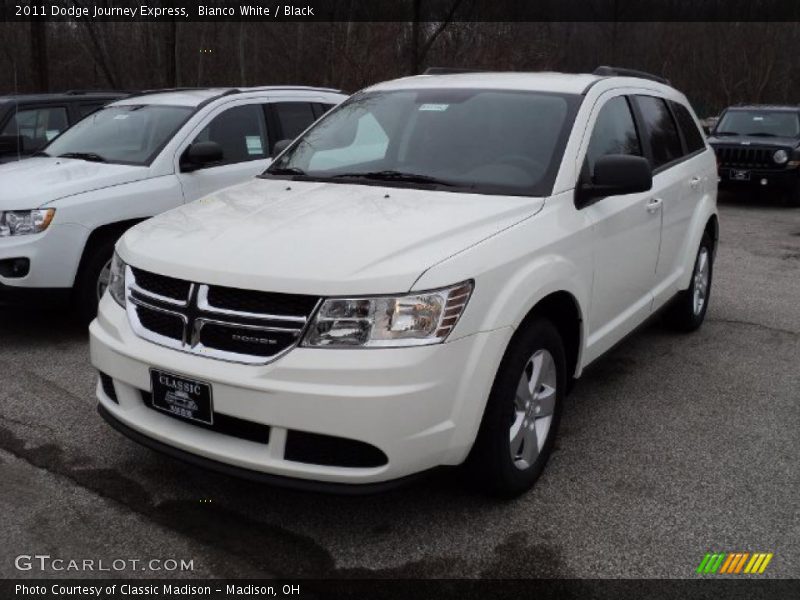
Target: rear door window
293,117
660,130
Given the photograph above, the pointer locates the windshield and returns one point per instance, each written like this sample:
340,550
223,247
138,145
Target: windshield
777,123
483,141
128,134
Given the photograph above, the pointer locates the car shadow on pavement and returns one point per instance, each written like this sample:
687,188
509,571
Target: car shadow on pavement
755,199
46,325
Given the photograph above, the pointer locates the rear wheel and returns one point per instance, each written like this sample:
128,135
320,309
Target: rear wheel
688,310
523,411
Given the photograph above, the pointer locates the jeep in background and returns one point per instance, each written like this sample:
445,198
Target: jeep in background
758,146
30,122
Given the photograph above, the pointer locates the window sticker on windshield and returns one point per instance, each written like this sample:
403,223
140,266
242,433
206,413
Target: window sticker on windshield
758,118
120,117
254,145
435,107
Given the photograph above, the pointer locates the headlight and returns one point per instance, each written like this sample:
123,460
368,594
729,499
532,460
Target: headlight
116,282
780,156
23,222
412,320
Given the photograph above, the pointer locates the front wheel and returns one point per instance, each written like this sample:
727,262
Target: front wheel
92,280
688,310
519,426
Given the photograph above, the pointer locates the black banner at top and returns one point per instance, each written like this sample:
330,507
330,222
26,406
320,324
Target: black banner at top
401,10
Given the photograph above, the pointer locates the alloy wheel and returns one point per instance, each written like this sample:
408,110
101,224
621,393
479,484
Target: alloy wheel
534,403
701,271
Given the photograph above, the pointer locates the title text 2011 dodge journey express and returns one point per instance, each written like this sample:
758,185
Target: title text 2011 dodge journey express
413,282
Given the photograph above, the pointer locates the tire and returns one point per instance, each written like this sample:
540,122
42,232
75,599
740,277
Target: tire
500,462
793,195
86,294
688,311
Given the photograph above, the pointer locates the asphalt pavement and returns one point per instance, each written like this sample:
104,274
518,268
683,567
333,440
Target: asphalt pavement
671,446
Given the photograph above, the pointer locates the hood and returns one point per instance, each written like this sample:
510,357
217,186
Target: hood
755,141
39,181
318,238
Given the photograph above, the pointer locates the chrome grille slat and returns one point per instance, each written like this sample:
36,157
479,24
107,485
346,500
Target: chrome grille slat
215,331
206,306
158,297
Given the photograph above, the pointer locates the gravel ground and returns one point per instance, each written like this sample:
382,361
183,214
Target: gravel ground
671,446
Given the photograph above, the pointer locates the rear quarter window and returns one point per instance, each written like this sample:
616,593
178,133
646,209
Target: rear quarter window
691,134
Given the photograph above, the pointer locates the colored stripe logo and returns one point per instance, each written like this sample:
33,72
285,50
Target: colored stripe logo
734,563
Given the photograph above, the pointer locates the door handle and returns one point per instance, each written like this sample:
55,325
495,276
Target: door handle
654,205
694,182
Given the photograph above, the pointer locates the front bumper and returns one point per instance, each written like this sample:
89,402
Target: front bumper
53,257
785,179
420,406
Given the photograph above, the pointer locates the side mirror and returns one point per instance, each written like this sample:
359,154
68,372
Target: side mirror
279,147
616,175
200,155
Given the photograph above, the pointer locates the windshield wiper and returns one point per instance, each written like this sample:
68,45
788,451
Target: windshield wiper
286,171
394,176
727,133
90,156
762,134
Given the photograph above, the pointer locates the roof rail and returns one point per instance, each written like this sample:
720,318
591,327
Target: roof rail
81,92
306,88
606,71
448,71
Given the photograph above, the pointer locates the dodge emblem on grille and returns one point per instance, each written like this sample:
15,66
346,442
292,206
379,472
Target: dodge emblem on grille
253,340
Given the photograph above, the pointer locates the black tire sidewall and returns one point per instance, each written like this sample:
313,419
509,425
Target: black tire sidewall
491,456
85,295
697,319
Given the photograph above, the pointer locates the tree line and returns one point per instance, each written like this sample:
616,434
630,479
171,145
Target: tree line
715,64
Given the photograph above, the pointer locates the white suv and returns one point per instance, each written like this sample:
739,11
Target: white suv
62,212
414,282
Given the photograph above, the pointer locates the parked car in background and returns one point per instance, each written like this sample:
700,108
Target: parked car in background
62,211
29,122
758,146
413,282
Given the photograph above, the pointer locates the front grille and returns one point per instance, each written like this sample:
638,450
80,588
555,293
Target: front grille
177,289
747,157
161,323
249,301
330,451
220,322
230,338
107,384
224,424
